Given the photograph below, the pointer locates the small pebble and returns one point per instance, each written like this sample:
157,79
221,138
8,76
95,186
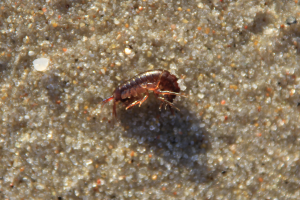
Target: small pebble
116,21
200,5
127,51
30,53
41,64
291,20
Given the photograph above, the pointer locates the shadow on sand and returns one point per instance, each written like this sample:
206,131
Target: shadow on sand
179,142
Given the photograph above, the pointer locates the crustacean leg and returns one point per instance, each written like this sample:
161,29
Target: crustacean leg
172,111
158,91
167,102
158,82
138,101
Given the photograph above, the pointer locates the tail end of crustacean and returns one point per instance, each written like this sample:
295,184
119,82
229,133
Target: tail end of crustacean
114,105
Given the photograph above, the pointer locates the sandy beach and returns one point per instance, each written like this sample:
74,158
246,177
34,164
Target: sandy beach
236,136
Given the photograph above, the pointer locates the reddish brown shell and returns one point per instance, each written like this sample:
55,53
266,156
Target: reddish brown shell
135,90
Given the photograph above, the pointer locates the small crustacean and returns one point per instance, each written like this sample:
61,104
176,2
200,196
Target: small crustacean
136,90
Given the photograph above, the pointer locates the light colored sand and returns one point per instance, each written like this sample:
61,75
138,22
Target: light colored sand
236,136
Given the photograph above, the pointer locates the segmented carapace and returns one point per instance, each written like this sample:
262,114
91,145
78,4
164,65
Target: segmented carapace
136,90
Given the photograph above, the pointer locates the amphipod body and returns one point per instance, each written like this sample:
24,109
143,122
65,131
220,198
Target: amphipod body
136,90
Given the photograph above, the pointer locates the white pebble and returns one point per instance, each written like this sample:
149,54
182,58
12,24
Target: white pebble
118,63
127,51
116,21
200,5
41,64
152,127
181,85
201,96
30,53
